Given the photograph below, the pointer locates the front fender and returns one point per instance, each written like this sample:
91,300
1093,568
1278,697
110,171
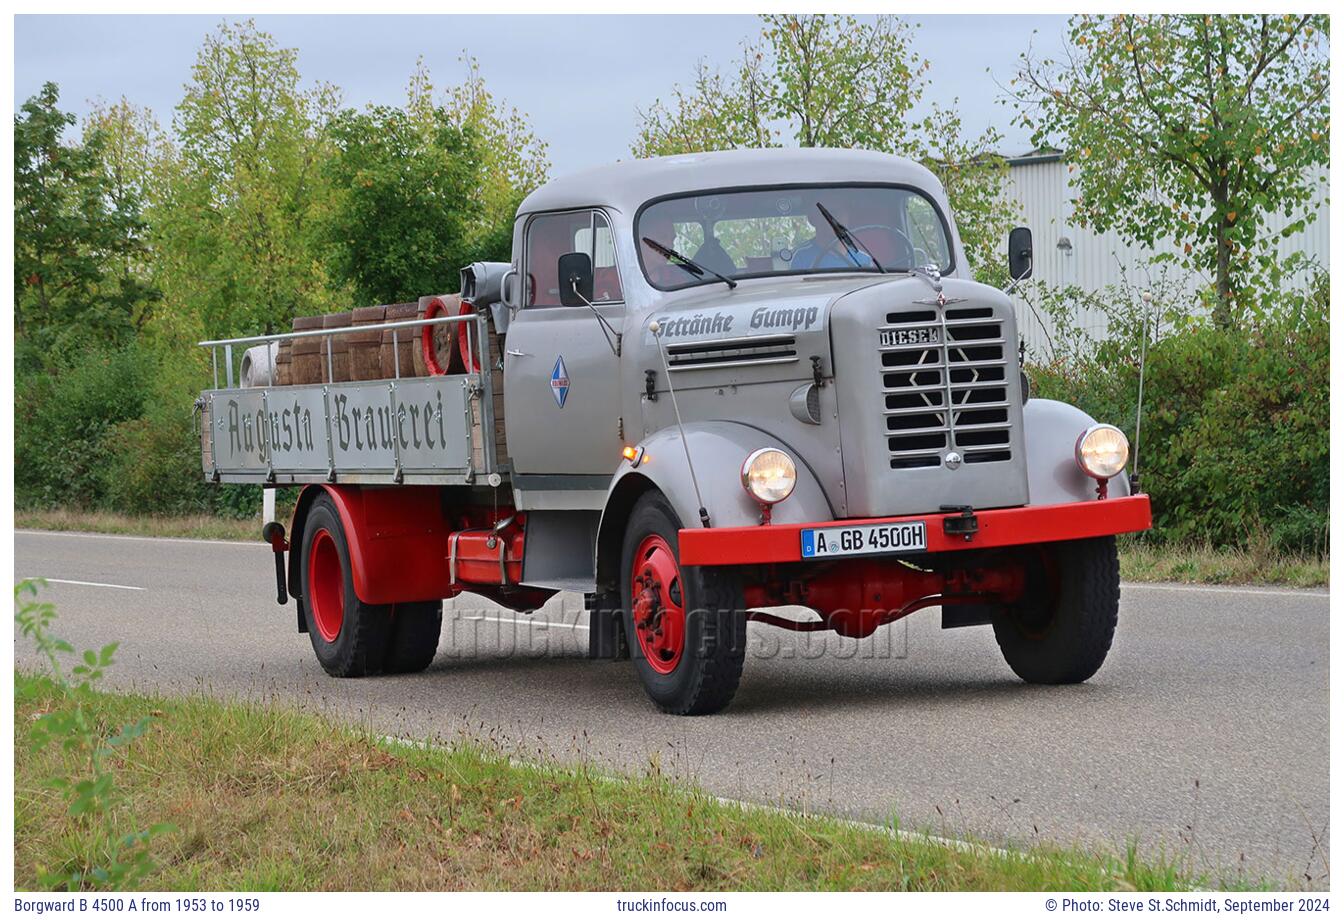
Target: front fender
718,450
1051,431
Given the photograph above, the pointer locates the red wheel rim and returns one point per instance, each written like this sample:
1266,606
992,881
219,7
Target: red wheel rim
657,604
472,362
326,586
429,347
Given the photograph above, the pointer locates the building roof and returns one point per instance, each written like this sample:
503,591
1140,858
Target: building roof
1039,155
626,185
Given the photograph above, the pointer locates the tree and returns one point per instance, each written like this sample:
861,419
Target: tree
511,159
836,81
1188,130
236,220
70,235
822,81
974,175
409,191
128,144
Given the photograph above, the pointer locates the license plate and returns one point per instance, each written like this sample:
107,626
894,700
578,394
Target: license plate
864,539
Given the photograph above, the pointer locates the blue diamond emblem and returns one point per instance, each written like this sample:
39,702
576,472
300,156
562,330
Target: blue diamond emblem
560,381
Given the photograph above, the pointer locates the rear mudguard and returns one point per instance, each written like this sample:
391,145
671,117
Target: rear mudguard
398,541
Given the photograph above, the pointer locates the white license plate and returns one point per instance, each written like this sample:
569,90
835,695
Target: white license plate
864,539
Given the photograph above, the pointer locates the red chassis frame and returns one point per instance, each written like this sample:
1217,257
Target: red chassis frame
1032,524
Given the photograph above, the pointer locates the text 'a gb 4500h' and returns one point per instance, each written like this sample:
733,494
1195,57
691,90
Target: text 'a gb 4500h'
705,386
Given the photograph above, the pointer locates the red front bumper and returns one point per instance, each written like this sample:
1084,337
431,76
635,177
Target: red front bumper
998,527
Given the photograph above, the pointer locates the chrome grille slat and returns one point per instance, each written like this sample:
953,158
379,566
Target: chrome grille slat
930,374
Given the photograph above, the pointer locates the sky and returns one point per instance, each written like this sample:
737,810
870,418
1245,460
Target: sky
580,78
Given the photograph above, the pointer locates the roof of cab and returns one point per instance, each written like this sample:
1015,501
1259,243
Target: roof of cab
626,185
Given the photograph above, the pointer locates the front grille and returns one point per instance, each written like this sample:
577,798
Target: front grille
945,385
758,349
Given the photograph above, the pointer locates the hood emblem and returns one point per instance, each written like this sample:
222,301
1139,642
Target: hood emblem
941,300
560,381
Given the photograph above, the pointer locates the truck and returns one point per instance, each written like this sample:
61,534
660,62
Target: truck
706,386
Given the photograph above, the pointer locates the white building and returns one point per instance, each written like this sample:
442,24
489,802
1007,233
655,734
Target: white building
1065,254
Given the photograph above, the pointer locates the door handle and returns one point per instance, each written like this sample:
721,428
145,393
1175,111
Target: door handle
516,353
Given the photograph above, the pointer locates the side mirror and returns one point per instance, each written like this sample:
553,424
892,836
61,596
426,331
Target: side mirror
576,279
1019,254
508,290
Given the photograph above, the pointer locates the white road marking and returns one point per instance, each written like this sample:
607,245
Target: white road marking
126,536
1225,589
1142,585
528,622
87,584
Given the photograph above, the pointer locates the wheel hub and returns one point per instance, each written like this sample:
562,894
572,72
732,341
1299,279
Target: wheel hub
656,604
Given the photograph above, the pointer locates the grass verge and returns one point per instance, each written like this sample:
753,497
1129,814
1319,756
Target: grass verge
194,526
1142,561
1139,560
266,798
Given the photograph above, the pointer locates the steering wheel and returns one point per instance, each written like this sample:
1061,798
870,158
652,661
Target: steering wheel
903,245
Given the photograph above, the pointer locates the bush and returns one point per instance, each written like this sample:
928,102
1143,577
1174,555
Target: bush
1234,442
115,432
61,420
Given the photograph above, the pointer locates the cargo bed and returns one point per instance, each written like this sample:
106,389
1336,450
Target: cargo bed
435,430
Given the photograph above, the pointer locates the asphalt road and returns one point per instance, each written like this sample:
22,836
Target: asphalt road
1206,734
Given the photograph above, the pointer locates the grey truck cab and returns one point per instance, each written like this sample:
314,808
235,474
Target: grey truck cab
738,381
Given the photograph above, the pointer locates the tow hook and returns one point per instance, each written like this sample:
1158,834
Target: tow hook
964,525
274,534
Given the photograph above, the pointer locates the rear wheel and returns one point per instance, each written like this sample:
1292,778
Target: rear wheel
687,627
1061,631
414,637
349,636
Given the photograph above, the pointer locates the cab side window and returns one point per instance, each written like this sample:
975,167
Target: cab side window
549,236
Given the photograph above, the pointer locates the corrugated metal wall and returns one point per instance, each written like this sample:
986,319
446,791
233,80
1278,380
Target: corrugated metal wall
1040,190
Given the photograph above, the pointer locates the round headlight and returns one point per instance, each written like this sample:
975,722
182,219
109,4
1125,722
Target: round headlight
1102,451
769,475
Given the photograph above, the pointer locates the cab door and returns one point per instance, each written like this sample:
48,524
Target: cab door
561,378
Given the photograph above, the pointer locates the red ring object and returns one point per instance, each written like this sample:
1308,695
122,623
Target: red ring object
435,308
471,362
660,622
326,585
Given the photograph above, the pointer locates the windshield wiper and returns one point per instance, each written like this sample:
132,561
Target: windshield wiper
851,242
689,265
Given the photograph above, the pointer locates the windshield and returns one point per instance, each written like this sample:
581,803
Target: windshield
758,233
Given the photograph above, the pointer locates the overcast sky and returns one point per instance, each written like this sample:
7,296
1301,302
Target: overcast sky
580,78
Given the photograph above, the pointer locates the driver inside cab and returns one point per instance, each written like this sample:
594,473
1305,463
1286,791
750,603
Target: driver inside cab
824,250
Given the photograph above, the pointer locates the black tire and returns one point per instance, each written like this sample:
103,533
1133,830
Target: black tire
706,673
415,637
359,646
1061,632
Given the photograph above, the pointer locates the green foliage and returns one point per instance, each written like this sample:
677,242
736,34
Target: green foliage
240,197
820,81
1187,131
131,246
89,788
71,234
1234,446
408,194
62,419
836,81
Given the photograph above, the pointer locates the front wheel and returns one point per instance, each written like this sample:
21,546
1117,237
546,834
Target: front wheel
1061,630
687,627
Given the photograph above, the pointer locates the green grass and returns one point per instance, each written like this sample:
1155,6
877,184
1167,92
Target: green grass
195,526
1143,561
1139,560
265,798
